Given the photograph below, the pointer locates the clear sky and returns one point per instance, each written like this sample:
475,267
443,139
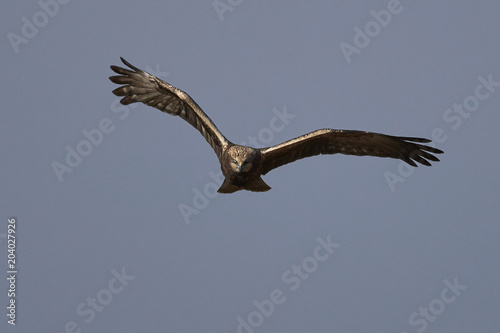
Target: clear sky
118,225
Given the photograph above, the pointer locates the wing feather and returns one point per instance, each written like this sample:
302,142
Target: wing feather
140,86
359,143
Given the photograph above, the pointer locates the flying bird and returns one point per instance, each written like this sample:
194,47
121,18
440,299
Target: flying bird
243,166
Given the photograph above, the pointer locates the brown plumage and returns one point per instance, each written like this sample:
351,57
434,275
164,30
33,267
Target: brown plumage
243,166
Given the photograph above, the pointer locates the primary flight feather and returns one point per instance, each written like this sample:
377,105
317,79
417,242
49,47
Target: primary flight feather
243,166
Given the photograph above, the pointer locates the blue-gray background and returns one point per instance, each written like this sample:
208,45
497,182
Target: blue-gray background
244,62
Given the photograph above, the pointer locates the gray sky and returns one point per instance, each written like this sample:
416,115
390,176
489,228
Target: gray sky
128,236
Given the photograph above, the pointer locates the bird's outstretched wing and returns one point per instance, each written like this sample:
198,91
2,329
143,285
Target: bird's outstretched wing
140,86
329,141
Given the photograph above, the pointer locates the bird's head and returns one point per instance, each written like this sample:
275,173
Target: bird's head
241,158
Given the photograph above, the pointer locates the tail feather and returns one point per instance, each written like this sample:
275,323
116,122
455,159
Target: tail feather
227,187
258,185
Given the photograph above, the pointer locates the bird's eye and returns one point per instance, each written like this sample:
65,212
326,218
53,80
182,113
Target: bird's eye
234,161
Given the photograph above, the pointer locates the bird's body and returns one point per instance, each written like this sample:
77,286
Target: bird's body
243,166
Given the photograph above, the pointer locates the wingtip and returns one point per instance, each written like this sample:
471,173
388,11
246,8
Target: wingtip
438,151
129,64
414,139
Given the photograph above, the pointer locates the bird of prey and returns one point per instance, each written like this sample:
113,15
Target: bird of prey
243,166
